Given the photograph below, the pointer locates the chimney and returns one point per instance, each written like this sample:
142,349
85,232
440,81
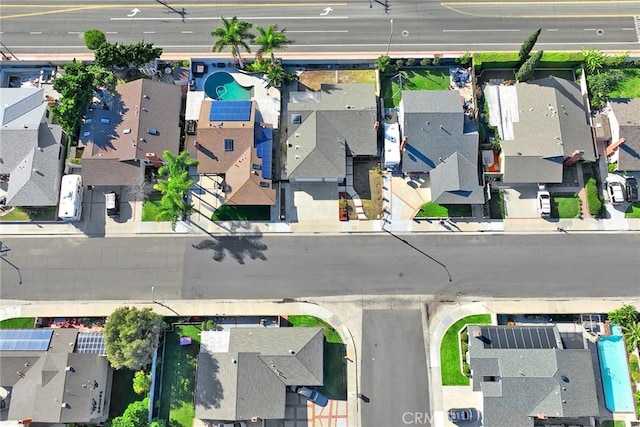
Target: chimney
403,143
613,147
575,156
70,369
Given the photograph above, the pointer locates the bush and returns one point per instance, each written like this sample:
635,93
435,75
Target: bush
411,62
383,64
464,337
612,167
464,59
399,64
425,62
594,199
436,59
463,348
94,38
465,369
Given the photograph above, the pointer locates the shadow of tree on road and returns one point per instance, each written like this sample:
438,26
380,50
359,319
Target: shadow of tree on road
238,247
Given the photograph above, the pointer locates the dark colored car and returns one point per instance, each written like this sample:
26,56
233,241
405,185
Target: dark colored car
457,415
631,189
313,396
112,204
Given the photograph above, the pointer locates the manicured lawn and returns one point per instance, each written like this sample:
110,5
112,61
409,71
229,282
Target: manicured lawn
421,79
178,376
122,393
450,350
47,213
434,210
241,213
611,423
18,323
630,86
568,206
633,211
335,364
150,210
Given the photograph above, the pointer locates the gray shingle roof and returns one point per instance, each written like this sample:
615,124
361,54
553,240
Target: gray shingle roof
251,377
532,382
627,113
342,117
455,181
30,152
552,123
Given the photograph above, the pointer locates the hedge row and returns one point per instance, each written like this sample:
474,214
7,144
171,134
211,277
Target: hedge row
490,60
594,199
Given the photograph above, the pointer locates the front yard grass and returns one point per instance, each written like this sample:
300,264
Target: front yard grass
633,211
630,86
45,213
179,375
434,210
241,213
335,364
450,366
420,79
566,206
367,182
151,210
18,323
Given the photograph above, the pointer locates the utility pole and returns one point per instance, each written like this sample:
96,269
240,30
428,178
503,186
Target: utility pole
3,253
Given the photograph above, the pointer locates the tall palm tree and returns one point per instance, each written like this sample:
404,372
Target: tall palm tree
175,186
624,316
233,34
271,38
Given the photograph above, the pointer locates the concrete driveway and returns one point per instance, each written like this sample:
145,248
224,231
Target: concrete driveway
520,201
312,201
615,213
95,222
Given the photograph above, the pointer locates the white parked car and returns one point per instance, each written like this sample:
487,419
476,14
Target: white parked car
544,203
616,192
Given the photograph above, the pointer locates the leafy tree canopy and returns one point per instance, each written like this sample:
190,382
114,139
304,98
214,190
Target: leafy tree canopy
131,336
601,85
109,55
136,415
94,38
141,382
271,38
528,45
233,34
529,67
624,316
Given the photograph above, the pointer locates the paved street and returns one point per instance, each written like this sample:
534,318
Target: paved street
30,27
393,371
242,267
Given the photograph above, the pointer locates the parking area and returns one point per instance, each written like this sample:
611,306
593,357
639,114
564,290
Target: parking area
520,201
95,221
312,201
461,397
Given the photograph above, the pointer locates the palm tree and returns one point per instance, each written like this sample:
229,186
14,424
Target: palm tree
632,336
271,38
173,189
624,316
233,34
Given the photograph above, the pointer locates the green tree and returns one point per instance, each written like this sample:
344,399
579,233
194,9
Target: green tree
131,336
528,45
136,415
529,67
594,198
601,85
271,38
94,38
110,55
632,336
464,59
233,34
158,422
175,186
624,316
277,74
141,382
383,64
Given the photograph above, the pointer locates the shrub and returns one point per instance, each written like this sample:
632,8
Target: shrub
399,64
464,337
464,347
94,38
436,59
411,62
612,167
594,199
465,369
383,64
464,59
425,62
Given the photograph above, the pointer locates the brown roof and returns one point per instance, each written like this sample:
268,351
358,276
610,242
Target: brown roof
243,182
122,132
211,135
97,171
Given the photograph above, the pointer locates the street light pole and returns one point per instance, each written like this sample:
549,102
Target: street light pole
390,35
3,252
153,297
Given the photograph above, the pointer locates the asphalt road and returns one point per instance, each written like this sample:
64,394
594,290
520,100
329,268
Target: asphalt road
394,384
40,26
554,265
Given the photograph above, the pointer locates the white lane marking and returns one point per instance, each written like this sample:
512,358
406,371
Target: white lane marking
480,31
75,32
191,32
319,31
636,22
627,29
552,29
589,29
35,32
148,32
244,18
111,32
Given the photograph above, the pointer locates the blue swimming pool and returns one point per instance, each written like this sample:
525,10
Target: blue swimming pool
222,86
614,371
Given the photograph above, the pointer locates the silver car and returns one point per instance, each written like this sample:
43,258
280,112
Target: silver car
458,415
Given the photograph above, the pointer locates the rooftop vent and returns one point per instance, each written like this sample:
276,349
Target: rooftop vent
153,132
70,369
292,352
126,131
65,405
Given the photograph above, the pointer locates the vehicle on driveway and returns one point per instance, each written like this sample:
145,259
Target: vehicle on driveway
236,424
112,204
457,415
616,192
543,199
313,396
631,187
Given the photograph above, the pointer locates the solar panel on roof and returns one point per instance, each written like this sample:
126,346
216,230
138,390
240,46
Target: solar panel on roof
25,339
90,342
230,111
266,160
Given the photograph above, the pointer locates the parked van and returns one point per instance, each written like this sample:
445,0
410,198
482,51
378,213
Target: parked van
71,190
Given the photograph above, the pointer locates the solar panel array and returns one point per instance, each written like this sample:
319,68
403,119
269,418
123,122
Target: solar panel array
519,338
230,111
25,339
90,342
264,147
